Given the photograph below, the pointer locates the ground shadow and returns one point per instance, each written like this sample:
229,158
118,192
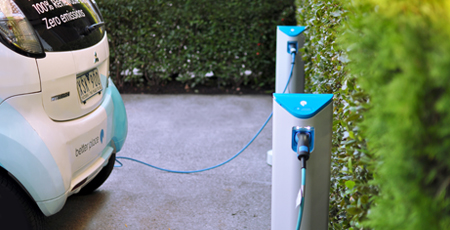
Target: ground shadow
78,211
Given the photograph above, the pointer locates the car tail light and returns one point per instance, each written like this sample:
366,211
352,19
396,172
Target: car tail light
16,32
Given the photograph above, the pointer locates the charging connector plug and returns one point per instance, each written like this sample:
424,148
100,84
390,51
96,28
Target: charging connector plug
303,144
292,47
293,50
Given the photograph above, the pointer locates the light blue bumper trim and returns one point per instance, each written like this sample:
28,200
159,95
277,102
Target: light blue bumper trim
25,155
119,122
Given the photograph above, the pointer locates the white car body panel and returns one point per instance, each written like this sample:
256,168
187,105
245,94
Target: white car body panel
19,75
57,80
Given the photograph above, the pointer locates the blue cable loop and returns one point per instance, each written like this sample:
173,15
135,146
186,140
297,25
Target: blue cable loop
216,166
200,170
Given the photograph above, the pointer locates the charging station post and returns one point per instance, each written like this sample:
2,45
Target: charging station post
291,113
289,35
302,130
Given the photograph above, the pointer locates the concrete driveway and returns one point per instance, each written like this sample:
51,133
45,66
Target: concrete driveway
184,132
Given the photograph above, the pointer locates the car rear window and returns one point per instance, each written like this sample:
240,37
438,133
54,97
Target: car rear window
64,25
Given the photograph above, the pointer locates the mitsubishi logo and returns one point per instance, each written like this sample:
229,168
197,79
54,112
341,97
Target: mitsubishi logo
96,58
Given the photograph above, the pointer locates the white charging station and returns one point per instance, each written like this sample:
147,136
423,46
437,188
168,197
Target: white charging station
312,112
285,35
302,129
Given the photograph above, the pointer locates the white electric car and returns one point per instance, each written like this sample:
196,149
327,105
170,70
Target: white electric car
62,120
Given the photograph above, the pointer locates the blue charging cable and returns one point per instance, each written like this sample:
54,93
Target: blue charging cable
293,52
200,170
303,152
302,202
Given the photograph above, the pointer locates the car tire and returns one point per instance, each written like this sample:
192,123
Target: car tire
100,178
17,210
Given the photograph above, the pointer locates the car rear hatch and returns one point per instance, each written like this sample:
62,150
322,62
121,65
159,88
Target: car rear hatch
74,69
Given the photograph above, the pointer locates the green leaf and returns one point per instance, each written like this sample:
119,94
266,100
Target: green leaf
364,199
350,184
354,210
350,165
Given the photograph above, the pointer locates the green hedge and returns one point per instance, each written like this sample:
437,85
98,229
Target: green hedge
390,168
326,72
400,52
186,39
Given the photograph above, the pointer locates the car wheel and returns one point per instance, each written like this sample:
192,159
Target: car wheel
17,210
100,178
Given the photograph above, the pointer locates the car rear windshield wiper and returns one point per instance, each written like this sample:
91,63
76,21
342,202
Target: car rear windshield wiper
88,29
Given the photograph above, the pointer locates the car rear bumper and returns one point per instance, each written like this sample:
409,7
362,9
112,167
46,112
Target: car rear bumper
53,160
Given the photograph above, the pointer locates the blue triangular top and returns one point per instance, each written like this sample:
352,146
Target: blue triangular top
303,105
292,31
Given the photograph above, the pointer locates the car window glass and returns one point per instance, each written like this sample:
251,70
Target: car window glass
62,25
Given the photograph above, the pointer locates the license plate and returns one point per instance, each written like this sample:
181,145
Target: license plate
88,85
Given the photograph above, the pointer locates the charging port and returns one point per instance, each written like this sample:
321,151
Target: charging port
309,131
292,47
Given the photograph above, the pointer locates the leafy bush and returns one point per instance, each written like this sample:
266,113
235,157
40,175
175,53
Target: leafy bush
400,52
234,40
398,56
325,71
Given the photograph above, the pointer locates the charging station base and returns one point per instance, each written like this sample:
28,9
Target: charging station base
269,157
